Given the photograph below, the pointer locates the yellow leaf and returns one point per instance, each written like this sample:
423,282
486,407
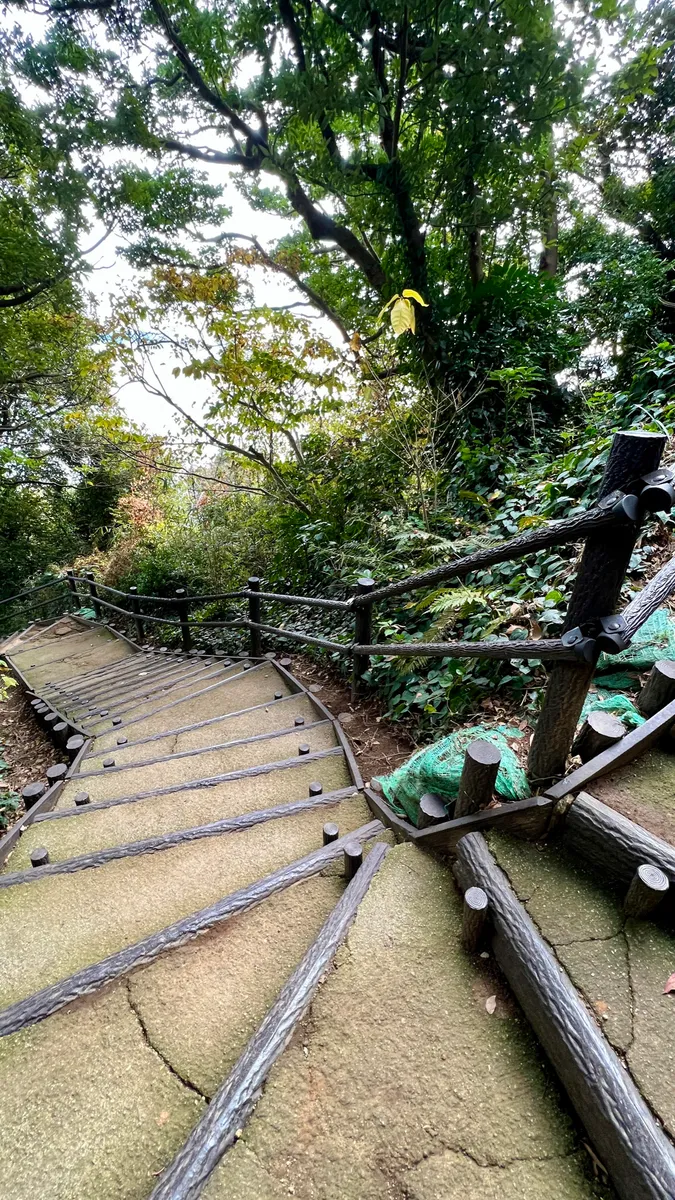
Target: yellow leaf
355,343
387,306
415,296
402,317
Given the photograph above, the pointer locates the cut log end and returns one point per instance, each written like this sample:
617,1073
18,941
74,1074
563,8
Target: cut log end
659,689
474,918
599,731
479,773
647,890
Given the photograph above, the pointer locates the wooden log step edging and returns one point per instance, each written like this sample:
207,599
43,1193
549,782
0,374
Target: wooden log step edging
188,785
525,818
164,841
232,1104
611,843
89,979
629,1142
195,751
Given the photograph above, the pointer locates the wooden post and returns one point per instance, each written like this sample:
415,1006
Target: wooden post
70,580
135,605
183,611
93,592
596,594
254,614
474,918
363,625
431,810
599,731
353,855
659,689
476,787
647,890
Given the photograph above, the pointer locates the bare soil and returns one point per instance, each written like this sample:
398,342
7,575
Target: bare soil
379,745
23,744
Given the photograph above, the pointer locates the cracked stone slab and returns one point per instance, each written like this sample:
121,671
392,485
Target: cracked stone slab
122,823
620,966
651,1057
87,1108
230,728
201,1003
204,765
398,1063
53,927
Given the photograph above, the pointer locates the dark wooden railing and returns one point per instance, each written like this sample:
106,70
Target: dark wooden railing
633,486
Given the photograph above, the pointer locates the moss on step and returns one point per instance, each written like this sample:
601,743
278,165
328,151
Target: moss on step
87,1107
177,770
102,654
620,966
644,791
265,719
172,688
399,1083
242,691
51,928
122,823
202,1003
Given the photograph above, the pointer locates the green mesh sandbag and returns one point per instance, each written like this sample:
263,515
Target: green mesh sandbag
654,640
618,705
438,768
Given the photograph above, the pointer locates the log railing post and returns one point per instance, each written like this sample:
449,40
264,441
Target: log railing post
596,594
93,592
70,580
135,606
363,633
254,614
183,611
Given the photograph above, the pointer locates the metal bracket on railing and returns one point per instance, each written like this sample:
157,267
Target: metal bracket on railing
621,505
590,639
655,492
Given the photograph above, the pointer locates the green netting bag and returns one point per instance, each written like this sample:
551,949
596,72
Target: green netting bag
655,640
438,768
620,706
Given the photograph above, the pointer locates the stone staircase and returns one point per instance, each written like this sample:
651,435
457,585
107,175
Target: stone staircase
165,918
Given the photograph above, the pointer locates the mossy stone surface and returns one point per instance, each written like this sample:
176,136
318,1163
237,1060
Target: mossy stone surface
58,924
260,720
644,791
87,1108
399,1064
175,770
202,1003
620,966
241,691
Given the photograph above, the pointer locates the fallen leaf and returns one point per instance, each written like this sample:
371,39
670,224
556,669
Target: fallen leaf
601,1008
536,630
670,984
491,1004
162,1118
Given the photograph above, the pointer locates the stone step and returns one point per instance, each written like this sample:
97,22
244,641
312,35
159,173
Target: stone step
56,925
117,685
87,829
123,701
257,721
257,686
185,682
400,1082
619,964
193,765
125,1074
95,651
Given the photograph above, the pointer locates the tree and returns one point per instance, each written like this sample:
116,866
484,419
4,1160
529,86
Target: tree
271,375
407,144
